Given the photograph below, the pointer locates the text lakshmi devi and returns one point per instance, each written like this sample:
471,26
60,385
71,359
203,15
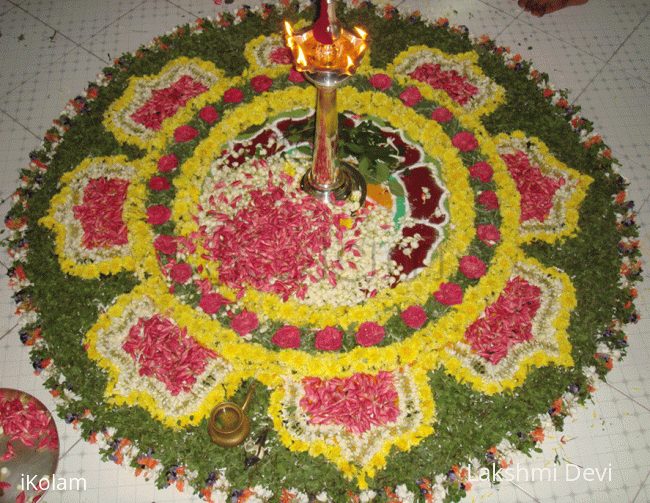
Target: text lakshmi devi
524,473
54,483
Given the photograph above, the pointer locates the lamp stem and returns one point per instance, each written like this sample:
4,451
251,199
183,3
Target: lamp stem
325,172
329,179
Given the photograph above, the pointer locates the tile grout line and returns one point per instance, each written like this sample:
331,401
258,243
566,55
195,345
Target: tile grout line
40,138
61,456
56,32
109,61
533,498
556,37
221,8
9,331
638,493
11,5
512,18
627,396
623,43
609,60
605,62
77,45
521,11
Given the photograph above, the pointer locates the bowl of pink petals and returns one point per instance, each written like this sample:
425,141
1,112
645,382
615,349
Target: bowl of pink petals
29,447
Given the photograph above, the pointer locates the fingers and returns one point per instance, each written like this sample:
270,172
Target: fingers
540,7
535,7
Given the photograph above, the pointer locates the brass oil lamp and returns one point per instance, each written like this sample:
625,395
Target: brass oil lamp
328,56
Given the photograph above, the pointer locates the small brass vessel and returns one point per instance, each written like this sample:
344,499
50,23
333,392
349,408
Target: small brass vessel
228,425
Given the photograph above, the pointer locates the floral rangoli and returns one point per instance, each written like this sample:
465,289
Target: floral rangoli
166,208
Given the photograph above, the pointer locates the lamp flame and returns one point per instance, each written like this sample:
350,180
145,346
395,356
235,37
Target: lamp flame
301,60
289,34
341,57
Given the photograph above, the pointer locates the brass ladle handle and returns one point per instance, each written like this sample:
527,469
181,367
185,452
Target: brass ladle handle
248,396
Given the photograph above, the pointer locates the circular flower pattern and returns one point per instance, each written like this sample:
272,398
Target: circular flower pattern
414,316
287,337
180,272
442,114
328,339
243,322
212,302
261,83
167,163
185,133
370,333
380,81
208,114
464,141
411,96
208,267
233,95
157,215
472,267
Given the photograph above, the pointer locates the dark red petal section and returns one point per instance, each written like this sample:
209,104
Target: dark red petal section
422,206
417,257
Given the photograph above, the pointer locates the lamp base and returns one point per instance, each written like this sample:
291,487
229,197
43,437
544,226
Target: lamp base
349,180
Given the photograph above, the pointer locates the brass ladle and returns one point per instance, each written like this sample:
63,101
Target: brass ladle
228,425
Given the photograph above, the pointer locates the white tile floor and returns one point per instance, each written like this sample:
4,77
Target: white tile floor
600,52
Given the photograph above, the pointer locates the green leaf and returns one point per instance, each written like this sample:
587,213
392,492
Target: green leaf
396,188
364,166
382,171
357,149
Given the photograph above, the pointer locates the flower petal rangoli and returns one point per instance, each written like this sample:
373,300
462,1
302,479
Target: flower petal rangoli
203,265
393,409
524,328
96,217
141,350
165,102
551,192
268,52
150,103
100,213
459,82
